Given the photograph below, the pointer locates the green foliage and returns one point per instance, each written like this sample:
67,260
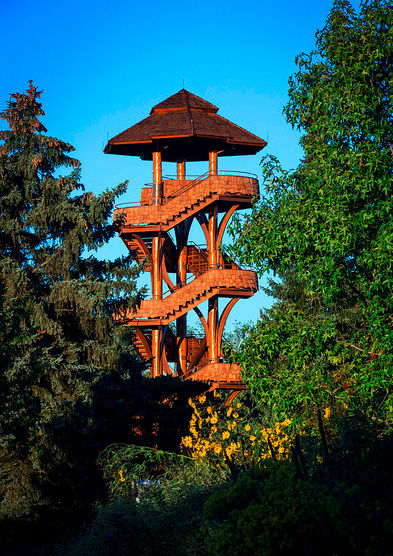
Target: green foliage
299,357
326,228
62,357
269,512
340,503
127,468
341,506
165,517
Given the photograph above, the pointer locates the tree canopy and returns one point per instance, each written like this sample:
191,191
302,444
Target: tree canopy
327,225
57,302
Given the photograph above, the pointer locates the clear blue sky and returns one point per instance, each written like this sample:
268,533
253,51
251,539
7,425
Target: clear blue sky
102,67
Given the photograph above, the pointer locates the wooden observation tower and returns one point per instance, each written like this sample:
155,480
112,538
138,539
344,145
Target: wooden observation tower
185,128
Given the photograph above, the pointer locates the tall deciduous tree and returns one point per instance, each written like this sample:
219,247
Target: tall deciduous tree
330,222
57,304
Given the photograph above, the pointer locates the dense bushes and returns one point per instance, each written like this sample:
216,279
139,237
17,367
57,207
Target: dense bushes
339,503
164,517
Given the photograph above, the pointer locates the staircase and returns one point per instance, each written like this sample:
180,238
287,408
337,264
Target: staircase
184,200
227,282
199,195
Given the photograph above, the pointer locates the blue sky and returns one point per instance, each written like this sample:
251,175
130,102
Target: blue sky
103,67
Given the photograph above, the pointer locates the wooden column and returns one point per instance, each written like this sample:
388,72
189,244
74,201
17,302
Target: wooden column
212,329
181,170
181,323
212,244
156,288
156,352
212,163
157,178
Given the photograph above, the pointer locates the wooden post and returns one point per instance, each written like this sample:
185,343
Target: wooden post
212,329
156,288
156,352
181,170
212,244
212,163
182,321
157,178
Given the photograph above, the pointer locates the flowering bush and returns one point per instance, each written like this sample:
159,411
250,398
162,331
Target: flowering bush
227,435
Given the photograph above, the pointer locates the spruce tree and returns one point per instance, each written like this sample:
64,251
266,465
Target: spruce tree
59,338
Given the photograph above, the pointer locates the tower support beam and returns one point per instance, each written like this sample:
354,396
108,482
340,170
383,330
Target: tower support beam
212,329
213,163
157,178
212,244
181,170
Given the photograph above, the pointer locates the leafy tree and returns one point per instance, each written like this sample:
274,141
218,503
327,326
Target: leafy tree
329,223
60,343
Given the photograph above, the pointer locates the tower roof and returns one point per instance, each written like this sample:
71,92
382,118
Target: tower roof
184,127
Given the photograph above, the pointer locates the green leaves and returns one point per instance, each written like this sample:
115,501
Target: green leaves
328,224
56,304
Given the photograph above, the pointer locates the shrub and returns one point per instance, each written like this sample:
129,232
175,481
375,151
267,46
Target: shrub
165,517
232,437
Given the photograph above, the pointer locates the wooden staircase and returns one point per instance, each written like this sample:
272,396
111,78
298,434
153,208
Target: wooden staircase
226,282
141,225
196,198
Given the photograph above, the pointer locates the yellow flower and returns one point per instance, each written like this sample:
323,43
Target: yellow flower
217,448
202,399
209,409
247,428
214,419
229,412
235,415
319,458
213,430
286,422
225,435
327,413
252,438
239,405
281,450
187,441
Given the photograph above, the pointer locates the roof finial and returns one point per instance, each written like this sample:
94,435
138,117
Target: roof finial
183,82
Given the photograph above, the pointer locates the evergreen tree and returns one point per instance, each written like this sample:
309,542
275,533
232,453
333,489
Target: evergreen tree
59,339
329,223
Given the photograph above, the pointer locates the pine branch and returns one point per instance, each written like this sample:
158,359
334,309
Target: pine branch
48,260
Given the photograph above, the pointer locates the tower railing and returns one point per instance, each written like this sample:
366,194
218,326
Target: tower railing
189,185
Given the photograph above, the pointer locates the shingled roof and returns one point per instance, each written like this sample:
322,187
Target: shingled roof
184,127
